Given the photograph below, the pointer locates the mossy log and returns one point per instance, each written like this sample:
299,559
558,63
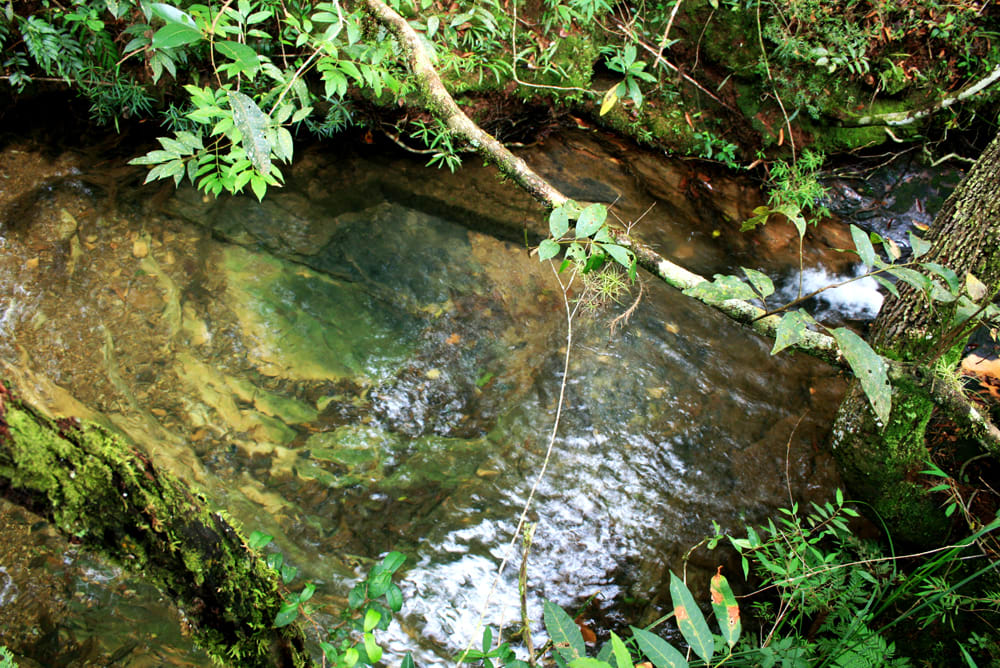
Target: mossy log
880,461
99,488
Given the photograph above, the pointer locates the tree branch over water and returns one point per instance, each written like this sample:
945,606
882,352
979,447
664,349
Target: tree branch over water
438,101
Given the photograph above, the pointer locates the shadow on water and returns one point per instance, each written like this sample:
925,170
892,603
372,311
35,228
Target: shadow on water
357,374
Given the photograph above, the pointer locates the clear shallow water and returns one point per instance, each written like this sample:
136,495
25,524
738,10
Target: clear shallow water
360,379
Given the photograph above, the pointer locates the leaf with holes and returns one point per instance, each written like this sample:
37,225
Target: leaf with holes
558,222
870,370
723,288
727,610
252,124
590,220
791,330
564,632
761,282
242,54
690,620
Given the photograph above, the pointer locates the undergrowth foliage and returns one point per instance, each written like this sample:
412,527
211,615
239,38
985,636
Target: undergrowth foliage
823,597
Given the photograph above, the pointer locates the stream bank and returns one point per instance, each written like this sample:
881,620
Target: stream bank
346,368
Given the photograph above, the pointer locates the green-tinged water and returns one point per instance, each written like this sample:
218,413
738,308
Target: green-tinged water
364,376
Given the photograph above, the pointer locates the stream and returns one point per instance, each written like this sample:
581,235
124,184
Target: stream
356,366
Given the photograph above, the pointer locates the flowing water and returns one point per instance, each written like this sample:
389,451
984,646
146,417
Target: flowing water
353,366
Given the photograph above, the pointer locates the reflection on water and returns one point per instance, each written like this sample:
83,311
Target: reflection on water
381,378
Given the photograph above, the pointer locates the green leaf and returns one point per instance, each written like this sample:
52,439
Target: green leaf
372,649
173,35
588,662
288,573
487,639
870,370
394,597
888,285
407,661
372,618
622,656
621,255
259,539
243,55
252,124
913,277
393,561
307,592
791,330
548,249
727,610
287,614
563,631
949,276
558,222
919,246
171,14
590,220
690,620
659,652
760,282
864,246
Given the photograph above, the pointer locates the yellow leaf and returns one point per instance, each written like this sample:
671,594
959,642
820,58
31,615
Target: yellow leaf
974,288
610,99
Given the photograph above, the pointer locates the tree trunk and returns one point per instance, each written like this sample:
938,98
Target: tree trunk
880,463
95,486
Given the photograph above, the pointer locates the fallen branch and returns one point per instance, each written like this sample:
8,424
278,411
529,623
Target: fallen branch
439,102
898,118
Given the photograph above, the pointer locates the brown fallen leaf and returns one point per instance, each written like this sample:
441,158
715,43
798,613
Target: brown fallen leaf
453,339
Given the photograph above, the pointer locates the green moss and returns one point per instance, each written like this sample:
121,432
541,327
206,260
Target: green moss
94,485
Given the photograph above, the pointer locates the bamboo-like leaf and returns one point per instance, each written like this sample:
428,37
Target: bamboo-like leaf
919,246
870,370
610,100
252,124
864,246
622,656
690,620
173,35
659,652
791,330
727,610
913,277
563,631
949,276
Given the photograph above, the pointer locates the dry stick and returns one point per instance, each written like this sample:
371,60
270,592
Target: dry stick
570,314
767,66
